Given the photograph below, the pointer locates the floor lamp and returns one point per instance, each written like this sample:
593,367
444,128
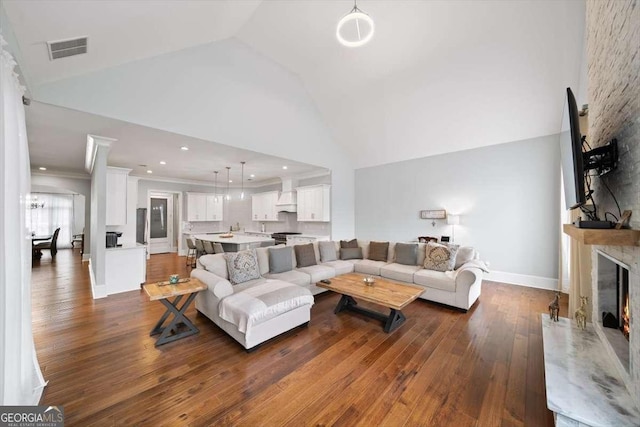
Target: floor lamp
453,220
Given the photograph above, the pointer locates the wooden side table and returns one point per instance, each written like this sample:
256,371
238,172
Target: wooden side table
162,293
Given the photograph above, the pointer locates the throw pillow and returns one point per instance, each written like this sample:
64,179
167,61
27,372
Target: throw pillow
305,255
351,253
407,253
440,257
242,266
349,243
327,251
465,254
280,259
378,251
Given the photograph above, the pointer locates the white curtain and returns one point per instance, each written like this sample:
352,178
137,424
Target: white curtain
21,380
51,211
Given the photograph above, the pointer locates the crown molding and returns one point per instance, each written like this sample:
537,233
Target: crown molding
62,174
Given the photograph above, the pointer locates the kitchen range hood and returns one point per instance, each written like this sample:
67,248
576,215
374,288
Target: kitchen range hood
287,202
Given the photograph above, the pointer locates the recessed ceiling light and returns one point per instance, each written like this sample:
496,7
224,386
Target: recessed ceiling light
149,171
252,176
162,162
184,148
230,180
284,167
42,168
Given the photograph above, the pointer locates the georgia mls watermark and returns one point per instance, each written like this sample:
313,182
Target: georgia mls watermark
31,416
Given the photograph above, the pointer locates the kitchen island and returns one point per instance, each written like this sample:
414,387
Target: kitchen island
238,242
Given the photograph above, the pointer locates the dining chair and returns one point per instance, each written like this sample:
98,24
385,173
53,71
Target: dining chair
52,244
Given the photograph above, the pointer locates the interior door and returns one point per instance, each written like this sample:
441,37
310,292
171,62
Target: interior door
160,224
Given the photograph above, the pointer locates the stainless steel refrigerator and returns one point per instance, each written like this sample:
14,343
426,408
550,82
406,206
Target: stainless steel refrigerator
141,225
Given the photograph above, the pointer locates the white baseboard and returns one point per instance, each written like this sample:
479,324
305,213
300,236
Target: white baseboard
523,280
86,257
98,291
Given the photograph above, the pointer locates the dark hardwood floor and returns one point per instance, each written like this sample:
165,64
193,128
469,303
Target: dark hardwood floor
441,368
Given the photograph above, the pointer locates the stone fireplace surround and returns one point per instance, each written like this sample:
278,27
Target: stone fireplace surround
630,256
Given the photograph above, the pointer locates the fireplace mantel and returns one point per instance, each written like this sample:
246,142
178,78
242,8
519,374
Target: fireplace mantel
608,237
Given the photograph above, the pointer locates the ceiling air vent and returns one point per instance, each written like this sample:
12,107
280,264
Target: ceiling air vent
64,48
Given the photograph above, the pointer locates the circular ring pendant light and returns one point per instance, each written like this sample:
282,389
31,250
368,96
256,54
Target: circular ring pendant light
355,29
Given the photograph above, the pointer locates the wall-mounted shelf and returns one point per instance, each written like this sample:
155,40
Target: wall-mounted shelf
609,237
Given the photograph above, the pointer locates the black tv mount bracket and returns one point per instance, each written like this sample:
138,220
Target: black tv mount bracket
603,159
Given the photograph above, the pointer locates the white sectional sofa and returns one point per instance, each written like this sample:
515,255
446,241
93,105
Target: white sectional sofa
459,288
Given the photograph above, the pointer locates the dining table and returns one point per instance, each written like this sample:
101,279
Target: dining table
37,253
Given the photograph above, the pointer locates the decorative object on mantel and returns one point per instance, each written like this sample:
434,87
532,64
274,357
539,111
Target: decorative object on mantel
581,313
554,307
624,218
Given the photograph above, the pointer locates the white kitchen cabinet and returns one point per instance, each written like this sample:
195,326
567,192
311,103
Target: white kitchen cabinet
117,196
263,206
214,207
314,203
204,207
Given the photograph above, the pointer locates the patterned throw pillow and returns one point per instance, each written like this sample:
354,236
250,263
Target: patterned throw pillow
378,251
440,257
327,251
242,266
349,243
407,253
305,255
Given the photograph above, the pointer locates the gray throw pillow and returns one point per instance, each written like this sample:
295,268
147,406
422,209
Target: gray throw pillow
378,251
464,255
242,266
280,259
440,257
351,253
407,253
327,251
349,243
305,255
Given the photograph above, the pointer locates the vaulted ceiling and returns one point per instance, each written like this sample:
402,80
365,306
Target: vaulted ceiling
438,76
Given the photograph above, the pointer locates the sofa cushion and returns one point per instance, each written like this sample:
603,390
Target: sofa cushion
407,253
378,251
294,276
243,266
327,251
305,255
435,279
215,264
341,267
318,272
400,272
440,257
367,266
280,259
351,253
464,255
263,260
349,243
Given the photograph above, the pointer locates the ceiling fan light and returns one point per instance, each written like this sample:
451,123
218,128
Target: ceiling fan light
355,15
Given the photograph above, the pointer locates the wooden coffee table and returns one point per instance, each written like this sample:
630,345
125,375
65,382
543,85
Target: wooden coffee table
162,293
394,296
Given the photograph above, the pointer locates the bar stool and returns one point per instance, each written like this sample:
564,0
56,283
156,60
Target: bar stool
208,247
191,252
217,248
199,248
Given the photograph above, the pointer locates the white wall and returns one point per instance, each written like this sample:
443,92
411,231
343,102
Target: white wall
224,92
507,196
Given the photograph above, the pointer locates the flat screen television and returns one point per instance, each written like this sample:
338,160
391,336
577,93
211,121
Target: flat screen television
572,158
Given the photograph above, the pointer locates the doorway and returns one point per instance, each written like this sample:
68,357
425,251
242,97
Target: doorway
161,228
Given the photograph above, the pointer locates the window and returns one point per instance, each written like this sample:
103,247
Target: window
50,211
